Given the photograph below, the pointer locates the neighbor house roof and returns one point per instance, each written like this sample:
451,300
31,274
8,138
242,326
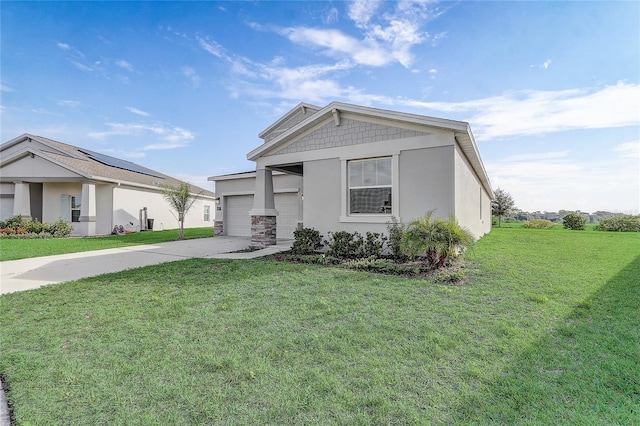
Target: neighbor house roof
461,129
92,165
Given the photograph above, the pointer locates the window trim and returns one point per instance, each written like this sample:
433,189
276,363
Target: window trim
207,213
345,216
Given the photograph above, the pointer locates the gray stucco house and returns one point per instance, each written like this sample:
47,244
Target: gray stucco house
350,167
47,180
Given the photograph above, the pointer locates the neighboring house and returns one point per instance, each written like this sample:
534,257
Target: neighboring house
353,168
48,180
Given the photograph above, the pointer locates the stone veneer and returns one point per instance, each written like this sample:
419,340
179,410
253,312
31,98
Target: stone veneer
263,231
218,227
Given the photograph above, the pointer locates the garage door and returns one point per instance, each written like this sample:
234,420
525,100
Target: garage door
237,221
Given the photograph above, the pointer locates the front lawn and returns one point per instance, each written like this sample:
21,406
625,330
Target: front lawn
19,248
546,331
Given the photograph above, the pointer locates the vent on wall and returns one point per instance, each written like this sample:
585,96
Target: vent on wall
119,163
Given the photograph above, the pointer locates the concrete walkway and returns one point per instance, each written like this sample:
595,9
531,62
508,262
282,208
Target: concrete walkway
26,274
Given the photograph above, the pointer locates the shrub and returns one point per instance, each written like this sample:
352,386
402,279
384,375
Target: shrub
624,223
383,266
574,221
437,240
307,241
19,227
344,245
373,245
537,224
394,242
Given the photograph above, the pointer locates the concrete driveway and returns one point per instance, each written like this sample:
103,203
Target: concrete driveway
25,274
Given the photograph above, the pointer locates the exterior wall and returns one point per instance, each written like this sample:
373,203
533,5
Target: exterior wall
245,185
128,201
35,168
473,206
104,207
322,196
426,182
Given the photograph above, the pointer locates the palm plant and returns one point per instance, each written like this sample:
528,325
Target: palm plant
180,199
436,240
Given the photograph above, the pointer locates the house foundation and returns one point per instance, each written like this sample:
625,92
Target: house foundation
263,231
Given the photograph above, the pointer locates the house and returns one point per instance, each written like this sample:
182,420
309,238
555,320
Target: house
48,180
353,168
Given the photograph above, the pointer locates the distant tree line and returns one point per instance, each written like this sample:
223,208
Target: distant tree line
595,217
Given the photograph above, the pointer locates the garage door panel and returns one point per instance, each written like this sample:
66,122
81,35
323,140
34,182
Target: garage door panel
237,221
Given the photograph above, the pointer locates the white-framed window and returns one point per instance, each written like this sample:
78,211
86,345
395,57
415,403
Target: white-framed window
370,186
207,213
76,202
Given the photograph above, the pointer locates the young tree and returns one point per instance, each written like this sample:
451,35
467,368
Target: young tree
180,199
502,205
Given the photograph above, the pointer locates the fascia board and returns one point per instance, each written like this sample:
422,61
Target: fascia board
469,148
244,175
26,136
286,117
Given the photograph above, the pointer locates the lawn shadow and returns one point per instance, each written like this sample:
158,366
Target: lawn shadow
584,371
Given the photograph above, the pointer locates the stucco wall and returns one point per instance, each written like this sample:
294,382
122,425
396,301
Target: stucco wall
472,202
127,203
426,182
36,168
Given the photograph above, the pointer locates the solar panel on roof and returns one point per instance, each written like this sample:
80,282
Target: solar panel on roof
119,163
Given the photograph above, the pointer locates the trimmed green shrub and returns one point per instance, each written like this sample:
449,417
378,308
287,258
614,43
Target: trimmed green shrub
17,227
574,221
437,241
373,245
307,241
344,245
394,241
623,223
537,224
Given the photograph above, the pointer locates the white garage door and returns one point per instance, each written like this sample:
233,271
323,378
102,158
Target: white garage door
237,221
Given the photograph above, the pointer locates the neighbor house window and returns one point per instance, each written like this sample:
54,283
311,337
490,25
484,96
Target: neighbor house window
75,208
370,186
207,213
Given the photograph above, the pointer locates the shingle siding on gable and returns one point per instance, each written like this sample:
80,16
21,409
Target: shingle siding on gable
297,118
349,132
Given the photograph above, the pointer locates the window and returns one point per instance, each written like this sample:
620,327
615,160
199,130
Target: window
207,213
75,208
370,186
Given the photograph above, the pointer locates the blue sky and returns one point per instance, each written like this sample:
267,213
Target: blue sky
551,89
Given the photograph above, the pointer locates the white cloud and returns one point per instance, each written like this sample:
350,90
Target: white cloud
211,47
69,103
63,46
176,136
81,67
4,88
331,16
361,11
192,75
138,111
628,149
555,180
124,64
546,64
533,112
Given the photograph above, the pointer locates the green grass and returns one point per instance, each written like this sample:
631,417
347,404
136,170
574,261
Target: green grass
547,331
16,248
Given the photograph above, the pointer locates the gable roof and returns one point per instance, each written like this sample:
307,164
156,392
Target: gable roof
462,131
91,165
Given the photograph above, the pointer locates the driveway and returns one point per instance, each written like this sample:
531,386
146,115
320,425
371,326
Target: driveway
25,274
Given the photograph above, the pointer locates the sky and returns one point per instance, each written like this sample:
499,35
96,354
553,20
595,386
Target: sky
551,89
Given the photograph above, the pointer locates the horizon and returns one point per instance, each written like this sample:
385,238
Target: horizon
551,90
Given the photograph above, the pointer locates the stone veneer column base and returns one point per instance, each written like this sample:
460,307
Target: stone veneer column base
263,231
217,227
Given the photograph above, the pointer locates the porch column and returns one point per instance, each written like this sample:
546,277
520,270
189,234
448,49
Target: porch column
263,214
21,200
87,226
